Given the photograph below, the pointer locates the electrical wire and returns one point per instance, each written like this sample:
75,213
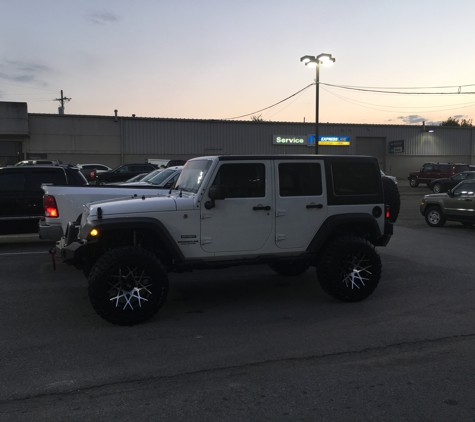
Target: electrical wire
273,105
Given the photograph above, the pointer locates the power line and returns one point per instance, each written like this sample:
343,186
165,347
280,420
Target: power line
273,105
401,93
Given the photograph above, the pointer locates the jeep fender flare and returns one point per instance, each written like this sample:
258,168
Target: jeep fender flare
331,225
144,223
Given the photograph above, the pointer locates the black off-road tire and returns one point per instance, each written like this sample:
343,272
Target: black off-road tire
350,269
391,198
289,268
436,188
434,217
128,285
413,182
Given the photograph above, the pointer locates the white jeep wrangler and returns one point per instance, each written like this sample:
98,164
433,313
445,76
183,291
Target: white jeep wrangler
288,211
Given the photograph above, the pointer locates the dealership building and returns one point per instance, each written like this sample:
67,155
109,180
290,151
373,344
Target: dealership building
116,139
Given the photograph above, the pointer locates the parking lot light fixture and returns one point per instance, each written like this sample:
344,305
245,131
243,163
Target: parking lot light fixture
316,61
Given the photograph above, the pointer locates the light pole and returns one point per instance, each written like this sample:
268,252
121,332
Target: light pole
312,61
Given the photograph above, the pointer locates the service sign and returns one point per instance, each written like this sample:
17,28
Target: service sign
290,140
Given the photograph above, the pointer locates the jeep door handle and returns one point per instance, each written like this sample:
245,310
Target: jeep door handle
266,208
314,206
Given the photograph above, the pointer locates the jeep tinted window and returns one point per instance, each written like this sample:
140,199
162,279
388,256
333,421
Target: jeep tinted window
242,180
464,189
355,178
300,179
443,168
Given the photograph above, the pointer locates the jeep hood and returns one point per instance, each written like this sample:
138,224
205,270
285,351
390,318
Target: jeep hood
140,205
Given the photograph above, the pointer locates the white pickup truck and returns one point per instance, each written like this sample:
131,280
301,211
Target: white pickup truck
62,204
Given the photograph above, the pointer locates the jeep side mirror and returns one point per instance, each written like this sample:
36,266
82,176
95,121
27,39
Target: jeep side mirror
214,192
450,192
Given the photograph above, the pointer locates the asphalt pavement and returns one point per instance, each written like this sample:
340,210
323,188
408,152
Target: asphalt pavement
246,344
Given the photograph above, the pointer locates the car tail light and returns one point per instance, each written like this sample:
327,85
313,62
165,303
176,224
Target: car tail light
387,212
50,207
92,174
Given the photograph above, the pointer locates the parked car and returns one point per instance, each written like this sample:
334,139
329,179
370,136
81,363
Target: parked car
390,177
432,171
91,170
38,163
21,196
123,173
456,204
165,178
443,185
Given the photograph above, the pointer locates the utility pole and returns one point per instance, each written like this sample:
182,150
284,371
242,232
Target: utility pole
62,100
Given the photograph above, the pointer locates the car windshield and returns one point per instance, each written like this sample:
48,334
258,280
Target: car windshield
151,175
192,175
160,177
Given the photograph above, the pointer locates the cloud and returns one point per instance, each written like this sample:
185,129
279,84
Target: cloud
412,119
103,18
25,72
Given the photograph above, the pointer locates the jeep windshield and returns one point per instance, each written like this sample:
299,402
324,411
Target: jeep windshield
192,175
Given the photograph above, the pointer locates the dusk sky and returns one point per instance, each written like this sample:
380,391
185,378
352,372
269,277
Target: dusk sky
222,59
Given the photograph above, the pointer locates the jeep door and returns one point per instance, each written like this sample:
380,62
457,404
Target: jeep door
301,205
243,221
462,203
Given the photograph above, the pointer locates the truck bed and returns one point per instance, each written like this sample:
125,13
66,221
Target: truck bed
70,201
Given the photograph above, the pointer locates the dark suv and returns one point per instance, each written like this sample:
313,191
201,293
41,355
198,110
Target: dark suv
432,171
21,196
123,173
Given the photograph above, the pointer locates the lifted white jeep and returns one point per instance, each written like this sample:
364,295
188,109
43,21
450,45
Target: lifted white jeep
288,211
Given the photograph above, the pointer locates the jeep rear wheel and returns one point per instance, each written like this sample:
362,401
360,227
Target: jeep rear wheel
434,217
350,269
127,285
391,198
289,268
413,182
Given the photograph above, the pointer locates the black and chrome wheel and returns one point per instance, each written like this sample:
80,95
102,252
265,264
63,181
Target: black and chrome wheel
436,188
413,182
128,285
350,269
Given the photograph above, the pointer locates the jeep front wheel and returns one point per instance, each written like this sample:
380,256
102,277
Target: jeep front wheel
413,182
434,217
289,268
127,285
350,269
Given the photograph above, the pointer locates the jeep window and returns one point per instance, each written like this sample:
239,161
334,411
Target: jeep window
192,175
245,180
426,168
12,181
300,179
464,189
355,179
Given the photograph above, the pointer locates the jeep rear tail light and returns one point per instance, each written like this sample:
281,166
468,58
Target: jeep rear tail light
92,174
387,212
50,207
